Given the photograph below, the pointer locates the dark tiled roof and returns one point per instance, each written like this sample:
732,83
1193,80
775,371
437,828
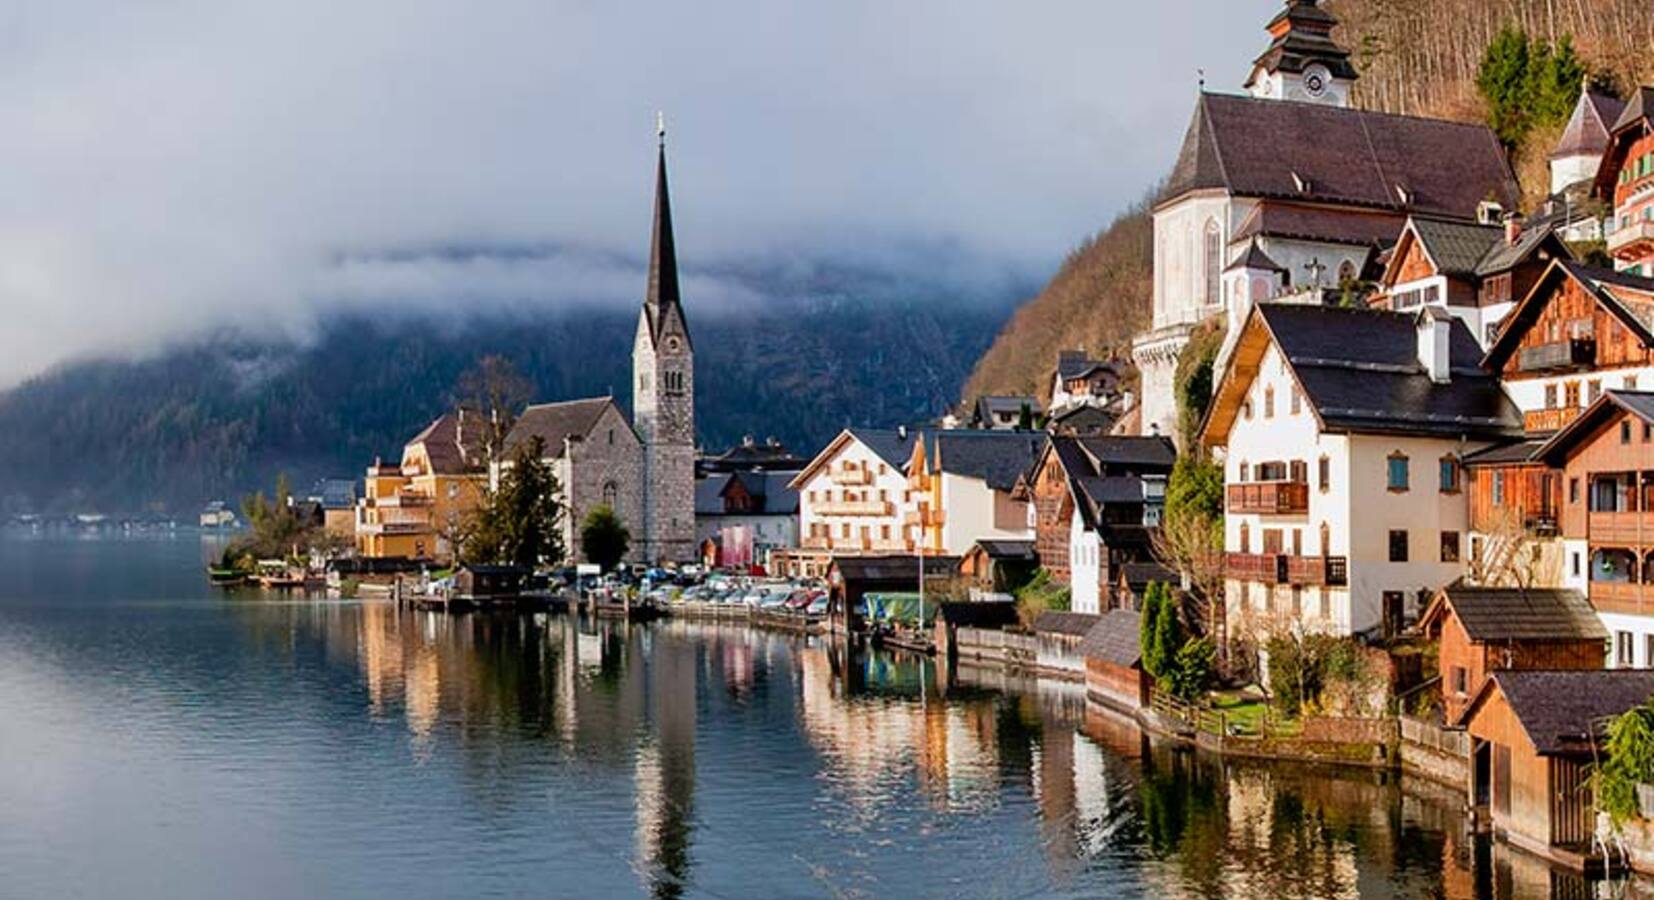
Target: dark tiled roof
897,569
1255,258
1070,623
661,300
1360,370
1640,107
1124,458
1457,248
892,446
1007,549
995,457
1517,614
1315,153
1085,418
552,423
1076,364
770,487
1587,130
1307,39
1505,255
987,614
1139,575
1505,454
1567,711
453,448
1114,639
989,407
1338,226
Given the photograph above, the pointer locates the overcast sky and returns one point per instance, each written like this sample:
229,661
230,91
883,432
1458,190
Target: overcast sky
175,166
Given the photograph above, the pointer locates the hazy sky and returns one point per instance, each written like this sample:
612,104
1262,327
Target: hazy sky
174,166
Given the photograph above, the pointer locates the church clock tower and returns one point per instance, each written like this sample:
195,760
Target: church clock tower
1303,62
663,400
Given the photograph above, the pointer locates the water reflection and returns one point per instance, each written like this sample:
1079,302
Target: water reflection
393,752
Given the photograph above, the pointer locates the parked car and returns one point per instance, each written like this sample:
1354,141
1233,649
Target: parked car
817,607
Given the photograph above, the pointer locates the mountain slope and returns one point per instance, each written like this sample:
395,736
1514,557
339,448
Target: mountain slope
219,419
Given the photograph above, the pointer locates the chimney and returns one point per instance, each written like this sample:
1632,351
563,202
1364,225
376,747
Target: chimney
901,432
1127,400
1513,227
1434,327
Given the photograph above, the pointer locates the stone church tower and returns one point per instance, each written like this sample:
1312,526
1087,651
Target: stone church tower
663,400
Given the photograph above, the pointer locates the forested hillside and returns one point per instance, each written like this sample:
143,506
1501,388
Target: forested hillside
218,419
1420,57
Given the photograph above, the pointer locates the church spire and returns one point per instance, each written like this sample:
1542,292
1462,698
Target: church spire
662,293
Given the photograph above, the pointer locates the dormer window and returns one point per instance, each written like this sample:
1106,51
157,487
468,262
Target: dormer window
1301,183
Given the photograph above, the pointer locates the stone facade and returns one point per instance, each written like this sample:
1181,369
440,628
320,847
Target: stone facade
606,467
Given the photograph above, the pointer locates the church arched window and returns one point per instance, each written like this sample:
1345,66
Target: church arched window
1346,272
611,493
1212,256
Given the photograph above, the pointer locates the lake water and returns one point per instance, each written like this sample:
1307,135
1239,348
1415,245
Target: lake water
159,739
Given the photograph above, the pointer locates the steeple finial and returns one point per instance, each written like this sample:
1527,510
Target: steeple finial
662,292
660,126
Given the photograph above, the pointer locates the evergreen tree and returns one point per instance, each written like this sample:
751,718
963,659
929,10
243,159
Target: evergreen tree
520,522
1147,628
604,538
1503,82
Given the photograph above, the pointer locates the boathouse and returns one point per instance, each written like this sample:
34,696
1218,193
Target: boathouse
1059,635
1534,735
484,582
990,615
1114,673
1481,630
999,566
852,578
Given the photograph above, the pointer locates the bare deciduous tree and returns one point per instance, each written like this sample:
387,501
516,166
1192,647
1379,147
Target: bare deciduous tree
1508,554
494,391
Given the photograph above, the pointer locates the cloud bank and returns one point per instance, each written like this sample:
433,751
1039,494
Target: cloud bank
179,166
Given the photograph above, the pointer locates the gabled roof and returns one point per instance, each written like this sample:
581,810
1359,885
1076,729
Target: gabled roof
1587,132
1077,364
1629,297
1115,639
1630,124
1254,258
452,447
1639,404
1072,624
1126,459
1007,549
1514,453
1639,108
978,614
772,488
1468,250
1504,614
893,446
994,457
987,407
1316,153
1359,372
896,569
1292,221
553,423
1566,711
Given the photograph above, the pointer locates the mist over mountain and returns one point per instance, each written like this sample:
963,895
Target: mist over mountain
796,353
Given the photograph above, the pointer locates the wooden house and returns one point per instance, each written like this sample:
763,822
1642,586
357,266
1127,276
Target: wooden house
1481,630
1114,673
1605,461
999,566
1534,736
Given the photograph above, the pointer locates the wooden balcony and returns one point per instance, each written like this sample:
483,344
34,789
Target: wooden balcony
1270,498
1632,241
852,477
893,545
1280,568
816,542
1574,353
855,508
1622,597
925,518
1545,420
1628,529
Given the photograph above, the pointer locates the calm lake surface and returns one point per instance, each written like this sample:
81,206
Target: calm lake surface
159,739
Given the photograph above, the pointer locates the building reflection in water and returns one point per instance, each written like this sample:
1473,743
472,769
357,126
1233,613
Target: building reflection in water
885,731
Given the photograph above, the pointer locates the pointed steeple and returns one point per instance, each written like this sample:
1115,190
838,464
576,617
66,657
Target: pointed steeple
661,297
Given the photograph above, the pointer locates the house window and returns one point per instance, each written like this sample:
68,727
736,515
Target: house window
1648,651
1297,601
1570,394
1326,539
1297,402
1476,549
1648,432
1398,545
1622,650
1397,472
1450,546
1326,605
1323,473
1449,471
1245,539
1246,410
1573,490
1550,396
1245,471
1300,471
1269,403
611,492
1576,564
1213,258
1629,382
1461,681
1498,488
1593,389
1625,431
611,436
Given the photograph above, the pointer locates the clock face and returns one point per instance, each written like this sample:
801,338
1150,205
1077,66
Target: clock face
1315,81
672,345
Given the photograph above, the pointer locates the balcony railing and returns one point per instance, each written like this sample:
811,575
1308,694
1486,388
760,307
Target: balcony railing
1269,497
1538,420
1622,597
1630,528
1568,354
925,518
1630,237
817,542
855,508
852,477
1281,568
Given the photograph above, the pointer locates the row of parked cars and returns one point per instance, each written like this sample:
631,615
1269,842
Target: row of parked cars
780,596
